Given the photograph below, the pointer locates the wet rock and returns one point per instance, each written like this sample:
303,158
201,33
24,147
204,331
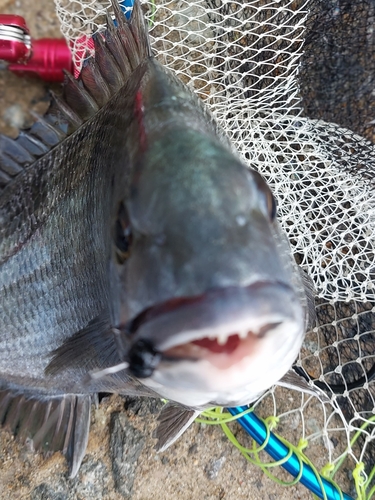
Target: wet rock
91,482
126,444
143,406
45,492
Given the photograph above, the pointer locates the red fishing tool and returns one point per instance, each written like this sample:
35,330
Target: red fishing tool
46,57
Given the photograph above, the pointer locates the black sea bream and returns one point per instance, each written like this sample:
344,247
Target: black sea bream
131,233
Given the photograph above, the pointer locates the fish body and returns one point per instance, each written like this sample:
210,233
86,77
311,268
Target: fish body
130,231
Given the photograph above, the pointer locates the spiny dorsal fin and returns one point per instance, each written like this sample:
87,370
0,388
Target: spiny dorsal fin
310,294
114,45
13,158
63,115
118,51
110,71
58,423
94,82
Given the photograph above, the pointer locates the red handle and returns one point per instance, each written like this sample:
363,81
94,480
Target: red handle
13,51
13,20
14,39
49,57
46,57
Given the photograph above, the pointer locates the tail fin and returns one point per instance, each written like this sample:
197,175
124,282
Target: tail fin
58,423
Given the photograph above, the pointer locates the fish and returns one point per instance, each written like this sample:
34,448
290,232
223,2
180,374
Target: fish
139,255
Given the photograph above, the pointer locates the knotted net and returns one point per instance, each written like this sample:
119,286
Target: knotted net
292,82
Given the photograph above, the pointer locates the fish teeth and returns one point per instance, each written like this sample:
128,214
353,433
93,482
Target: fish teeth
243,334
222,339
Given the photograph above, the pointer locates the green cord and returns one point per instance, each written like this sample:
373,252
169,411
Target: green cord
151,21
361,484
216,416
371,494
359,481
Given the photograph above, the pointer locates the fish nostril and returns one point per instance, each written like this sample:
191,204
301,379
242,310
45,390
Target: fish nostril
143,359
122,234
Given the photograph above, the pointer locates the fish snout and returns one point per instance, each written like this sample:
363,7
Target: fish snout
223,327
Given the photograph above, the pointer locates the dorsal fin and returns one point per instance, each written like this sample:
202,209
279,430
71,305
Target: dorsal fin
118,51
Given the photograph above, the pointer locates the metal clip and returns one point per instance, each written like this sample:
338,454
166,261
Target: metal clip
15,41
47,57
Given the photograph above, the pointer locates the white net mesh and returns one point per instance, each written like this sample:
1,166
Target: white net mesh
251,61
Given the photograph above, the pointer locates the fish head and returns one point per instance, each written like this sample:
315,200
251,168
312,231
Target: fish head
211,304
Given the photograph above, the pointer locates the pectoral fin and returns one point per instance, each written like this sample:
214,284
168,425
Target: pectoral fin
174,419
310,293
82,349
291,380
94,353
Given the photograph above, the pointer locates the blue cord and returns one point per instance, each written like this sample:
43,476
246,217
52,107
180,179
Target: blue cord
126,7
278,450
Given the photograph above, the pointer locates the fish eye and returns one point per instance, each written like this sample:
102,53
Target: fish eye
269,203
122,234
267,198
272,206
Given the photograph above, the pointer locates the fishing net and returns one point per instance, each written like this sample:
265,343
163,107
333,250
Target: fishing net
292,82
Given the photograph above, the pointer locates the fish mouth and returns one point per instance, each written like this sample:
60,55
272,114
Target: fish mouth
223,326
232,347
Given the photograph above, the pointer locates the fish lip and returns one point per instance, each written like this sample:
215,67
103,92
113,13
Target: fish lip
182,320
